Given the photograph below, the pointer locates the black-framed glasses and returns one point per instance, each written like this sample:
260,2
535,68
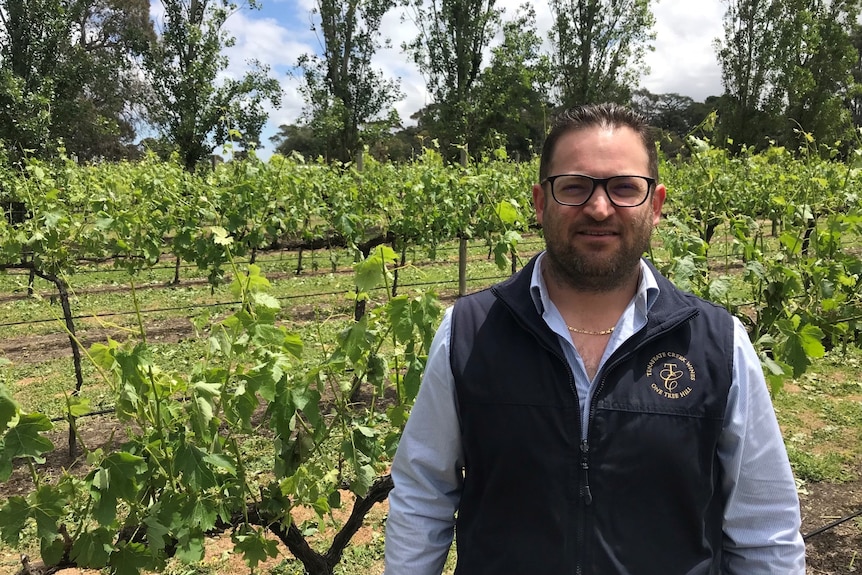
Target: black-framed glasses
622,191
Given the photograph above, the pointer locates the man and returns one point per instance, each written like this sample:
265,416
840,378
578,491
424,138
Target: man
585,416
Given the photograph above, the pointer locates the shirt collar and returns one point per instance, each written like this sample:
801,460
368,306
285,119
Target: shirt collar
644,298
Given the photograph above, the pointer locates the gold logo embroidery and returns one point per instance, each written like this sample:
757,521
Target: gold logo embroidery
674,375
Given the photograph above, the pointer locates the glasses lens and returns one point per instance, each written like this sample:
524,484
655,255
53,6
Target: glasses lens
628,190
572,190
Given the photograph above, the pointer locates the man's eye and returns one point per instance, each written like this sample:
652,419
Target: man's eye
574,187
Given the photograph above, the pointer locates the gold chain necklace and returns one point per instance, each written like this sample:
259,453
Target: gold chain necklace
591,332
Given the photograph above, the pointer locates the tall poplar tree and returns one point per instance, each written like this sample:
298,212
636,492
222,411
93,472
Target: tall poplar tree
750,55
855,100
817,80
599,48
448,52
512,95
193,109
787,66
348,101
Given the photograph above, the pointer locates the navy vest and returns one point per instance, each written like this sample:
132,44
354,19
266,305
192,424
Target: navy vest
643,495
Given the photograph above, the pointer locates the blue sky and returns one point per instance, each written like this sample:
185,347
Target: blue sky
280,31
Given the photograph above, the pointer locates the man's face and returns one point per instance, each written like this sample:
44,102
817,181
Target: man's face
597,246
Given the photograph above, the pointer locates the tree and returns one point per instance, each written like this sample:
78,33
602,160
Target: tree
511,94
750,63
817,79
670,112
194,110
675,115
854,103
297,138
404,145
599,48
68,74
787,60
448,52
344,95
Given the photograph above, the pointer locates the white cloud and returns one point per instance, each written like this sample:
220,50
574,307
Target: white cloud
272,44
684,60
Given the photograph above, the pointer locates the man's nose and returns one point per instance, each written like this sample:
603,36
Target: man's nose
599,205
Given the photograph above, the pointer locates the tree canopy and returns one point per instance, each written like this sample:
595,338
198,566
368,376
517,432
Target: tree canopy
193,109
69,76
787,69
346,99
599,48
86,77
448,49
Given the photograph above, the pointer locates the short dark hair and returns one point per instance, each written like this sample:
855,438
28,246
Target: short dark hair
598,115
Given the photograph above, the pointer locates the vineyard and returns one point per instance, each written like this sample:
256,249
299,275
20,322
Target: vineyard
248,340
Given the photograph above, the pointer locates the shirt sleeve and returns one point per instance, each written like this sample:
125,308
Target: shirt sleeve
427,472
761,518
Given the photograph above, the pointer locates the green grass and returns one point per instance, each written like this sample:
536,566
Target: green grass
821,418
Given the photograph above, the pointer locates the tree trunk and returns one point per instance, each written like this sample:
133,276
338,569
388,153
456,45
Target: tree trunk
176,280
63,291
462,265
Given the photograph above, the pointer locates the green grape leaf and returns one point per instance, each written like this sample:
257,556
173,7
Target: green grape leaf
157,532
307,400
802,343
254,546
116,479
92,549
413,378
51,550
354,339
190,547
399,312
13,515
253,282
266,300
269,335
24,440
501,255
199,513
78,405
124,468
364,478
9,411
222,461
47,508
130,559
507,212
370,271
191,462
221,236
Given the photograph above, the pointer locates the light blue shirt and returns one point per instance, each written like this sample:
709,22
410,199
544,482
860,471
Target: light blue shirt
761,516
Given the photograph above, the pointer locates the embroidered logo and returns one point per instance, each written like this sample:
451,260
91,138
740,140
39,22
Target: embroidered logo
671,375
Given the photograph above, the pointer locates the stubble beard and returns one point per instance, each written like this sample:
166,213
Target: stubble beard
590,272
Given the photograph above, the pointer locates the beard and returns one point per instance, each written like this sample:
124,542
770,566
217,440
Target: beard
583,270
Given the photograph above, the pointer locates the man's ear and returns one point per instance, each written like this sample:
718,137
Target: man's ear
658,197
539,201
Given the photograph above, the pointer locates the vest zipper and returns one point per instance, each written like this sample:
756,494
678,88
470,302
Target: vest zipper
586,494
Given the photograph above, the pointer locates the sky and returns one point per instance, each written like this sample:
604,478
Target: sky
279,32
